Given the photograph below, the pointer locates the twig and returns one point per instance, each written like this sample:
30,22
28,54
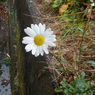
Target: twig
53,16
3,43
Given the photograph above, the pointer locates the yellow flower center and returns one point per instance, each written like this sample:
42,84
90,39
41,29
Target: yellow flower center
39,40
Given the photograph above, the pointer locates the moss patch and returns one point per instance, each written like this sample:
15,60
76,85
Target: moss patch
19,58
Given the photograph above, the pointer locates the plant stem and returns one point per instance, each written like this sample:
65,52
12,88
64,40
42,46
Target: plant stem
86,26
58,61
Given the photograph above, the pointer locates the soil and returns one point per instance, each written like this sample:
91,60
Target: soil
69,47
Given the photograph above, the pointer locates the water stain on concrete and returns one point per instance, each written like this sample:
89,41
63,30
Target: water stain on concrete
5,87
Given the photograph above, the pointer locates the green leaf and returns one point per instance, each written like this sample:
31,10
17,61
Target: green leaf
64,85
84,47
79,59
82,75
69,85
64,80
55,63
81,29
58,90
91,62
91,92
54,5
61,69
80,85
64,61
66,92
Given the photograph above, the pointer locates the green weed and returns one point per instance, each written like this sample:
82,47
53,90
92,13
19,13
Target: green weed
79,86
8,60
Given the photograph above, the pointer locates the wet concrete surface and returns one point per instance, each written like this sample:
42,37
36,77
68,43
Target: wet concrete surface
5,88
4,80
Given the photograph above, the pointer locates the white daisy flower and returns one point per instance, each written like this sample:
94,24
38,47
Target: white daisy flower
93,4
38,39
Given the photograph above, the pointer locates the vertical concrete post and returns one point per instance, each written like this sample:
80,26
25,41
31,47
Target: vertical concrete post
33,79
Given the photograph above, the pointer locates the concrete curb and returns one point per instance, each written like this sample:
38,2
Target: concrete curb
33,79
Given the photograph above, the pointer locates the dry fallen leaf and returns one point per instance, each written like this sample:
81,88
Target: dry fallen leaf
92,83
5,82
92,17
62,9
8,76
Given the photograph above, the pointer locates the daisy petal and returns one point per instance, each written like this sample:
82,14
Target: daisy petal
27,40
28,47
42,28
48,33
35,28
32,26
52,36
45,49
37,52
41,50
34,48
50,43
30,32
50,39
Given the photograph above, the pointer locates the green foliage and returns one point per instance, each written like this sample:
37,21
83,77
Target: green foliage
77,87
75,21
84,47
55,63
56,3
81,29
74,7
63,61
91,62
8,60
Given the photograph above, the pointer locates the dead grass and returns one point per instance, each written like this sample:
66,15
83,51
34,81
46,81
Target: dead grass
68,43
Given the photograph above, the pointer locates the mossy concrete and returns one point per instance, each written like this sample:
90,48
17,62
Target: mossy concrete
32,78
